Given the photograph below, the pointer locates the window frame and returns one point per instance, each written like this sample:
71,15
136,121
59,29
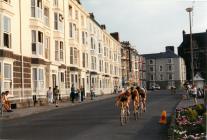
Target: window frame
38,78
5,79
6,32
37,42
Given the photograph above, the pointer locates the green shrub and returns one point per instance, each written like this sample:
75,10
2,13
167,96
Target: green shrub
196,129
200,109
192,115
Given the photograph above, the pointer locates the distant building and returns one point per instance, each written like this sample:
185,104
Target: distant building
132,65
165,69
199,53
142,71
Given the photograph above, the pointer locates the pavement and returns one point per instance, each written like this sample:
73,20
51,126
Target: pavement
23,112
189,102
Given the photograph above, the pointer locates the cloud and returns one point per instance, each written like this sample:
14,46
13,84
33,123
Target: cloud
149,24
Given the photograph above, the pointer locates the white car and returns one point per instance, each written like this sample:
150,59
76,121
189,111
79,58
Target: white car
156,87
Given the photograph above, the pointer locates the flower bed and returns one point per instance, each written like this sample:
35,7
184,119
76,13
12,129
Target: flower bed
190,123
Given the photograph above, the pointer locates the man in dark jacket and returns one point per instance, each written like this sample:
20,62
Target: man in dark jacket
55,94
72,93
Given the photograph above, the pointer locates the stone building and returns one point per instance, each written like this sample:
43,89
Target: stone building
199,54
133,66
165,69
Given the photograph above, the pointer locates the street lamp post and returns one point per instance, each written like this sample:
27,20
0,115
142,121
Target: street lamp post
189,10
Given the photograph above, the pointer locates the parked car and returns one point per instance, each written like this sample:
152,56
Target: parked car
155,87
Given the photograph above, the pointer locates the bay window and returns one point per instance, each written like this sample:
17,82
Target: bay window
76,53
56,51
46,16
83,37
6,32
36,9
58,21
37,79
47,47
87,60
93,62
71,55
70,11
7,76
70,30
83,60
37,42
74,56
59,51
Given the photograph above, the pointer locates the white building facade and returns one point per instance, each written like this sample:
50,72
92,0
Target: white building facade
48,43
165,69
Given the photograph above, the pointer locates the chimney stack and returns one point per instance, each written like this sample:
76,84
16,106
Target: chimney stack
103,27
115,35
170,48
91,15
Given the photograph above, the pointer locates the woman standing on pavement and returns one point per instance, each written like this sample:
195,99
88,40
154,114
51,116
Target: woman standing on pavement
5,102
50,95
194,93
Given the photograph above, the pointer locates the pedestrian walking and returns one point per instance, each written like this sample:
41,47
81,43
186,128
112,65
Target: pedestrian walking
72,93
55,95
82,93
50,95
78,95
92,92
194,93
188,91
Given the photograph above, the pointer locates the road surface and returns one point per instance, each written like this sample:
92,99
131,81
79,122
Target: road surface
93,121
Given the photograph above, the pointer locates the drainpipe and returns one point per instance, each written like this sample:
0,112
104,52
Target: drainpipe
22,58
65,44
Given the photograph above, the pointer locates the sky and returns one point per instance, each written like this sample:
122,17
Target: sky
149,25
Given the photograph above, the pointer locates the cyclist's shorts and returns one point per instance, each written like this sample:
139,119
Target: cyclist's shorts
123,98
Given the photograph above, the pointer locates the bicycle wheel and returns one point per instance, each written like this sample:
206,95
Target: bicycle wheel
126,116
122,117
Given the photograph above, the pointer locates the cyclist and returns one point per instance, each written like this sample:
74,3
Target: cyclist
143,95
125,99
135,98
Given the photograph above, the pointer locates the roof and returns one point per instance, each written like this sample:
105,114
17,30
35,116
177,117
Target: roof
199,38
167,54
197,77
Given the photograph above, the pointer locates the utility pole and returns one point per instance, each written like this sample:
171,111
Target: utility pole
189,10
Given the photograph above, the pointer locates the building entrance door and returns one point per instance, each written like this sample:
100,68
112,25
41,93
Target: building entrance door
53,80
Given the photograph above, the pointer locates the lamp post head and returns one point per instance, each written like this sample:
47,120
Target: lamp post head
190,9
